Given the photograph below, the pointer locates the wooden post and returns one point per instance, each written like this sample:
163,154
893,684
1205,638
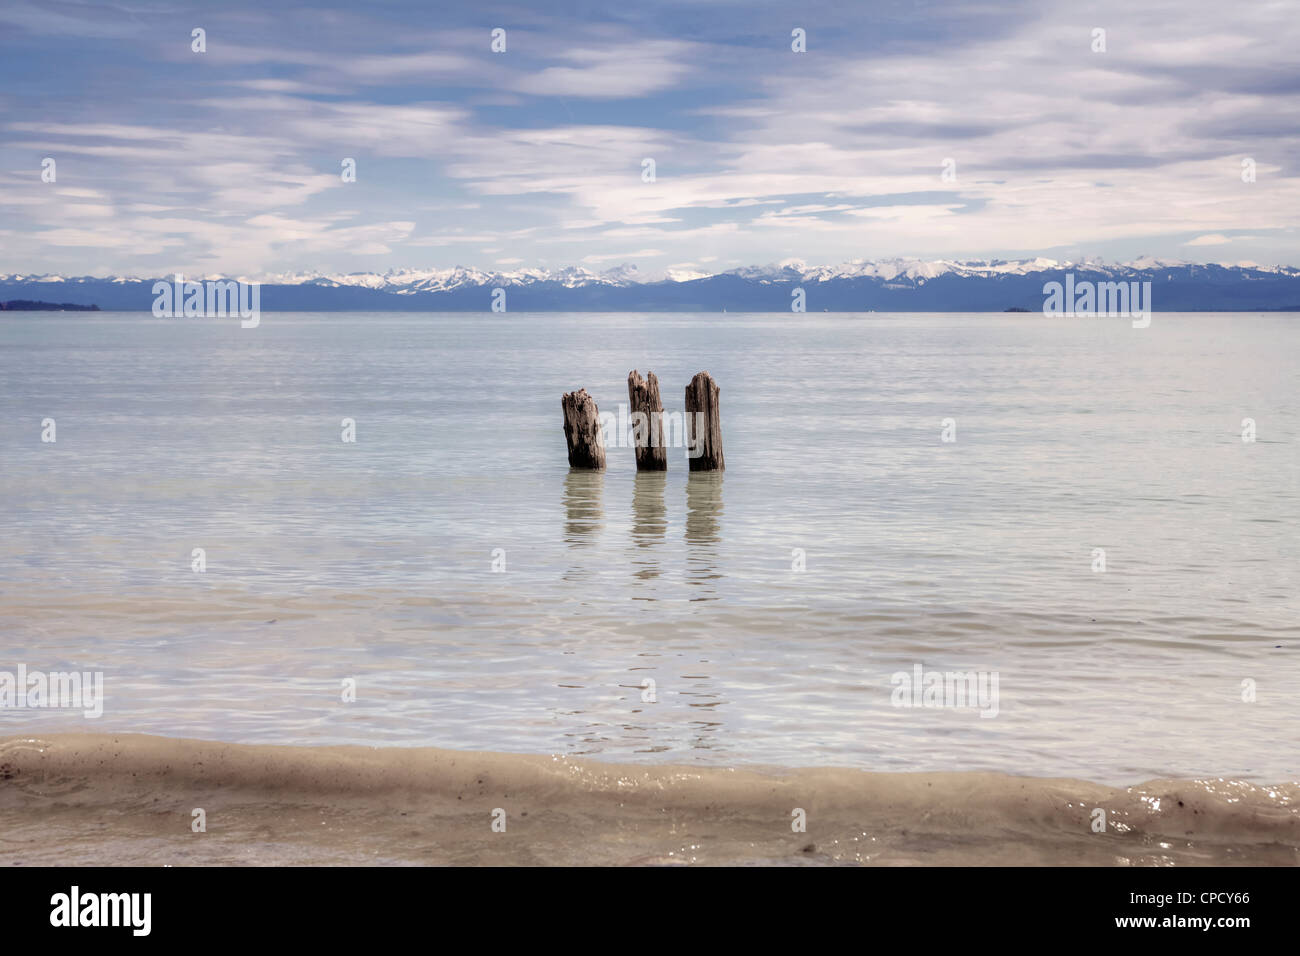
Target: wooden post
643,397
702,397
582,430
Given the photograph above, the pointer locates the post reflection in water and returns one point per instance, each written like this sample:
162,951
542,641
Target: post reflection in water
649,524
584,514
703,509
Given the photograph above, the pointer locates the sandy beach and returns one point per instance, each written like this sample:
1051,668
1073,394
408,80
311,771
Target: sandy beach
89,799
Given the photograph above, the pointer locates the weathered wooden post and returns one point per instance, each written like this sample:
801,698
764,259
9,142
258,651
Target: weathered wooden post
643,397
702,398
582,430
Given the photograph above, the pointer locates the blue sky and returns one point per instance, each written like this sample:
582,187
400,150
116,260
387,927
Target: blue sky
229,161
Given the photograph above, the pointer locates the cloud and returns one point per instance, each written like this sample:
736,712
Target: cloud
108,24
1217,239
625,256
760,153
615,71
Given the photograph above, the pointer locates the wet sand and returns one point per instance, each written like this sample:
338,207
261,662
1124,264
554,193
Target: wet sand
81,799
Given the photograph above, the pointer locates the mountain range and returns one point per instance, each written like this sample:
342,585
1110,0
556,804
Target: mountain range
897,285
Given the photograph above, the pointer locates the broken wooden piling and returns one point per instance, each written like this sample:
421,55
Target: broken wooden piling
643,397
582,430
704,430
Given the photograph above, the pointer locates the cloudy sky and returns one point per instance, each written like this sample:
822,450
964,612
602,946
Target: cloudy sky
230,160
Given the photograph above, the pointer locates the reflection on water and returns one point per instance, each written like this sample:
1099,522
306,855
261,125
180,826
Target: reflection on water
704,695
584,515
703,508
649,523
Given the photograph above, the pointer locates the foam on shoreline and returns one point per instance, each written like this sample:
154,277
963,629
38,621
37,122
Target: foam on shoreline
131,799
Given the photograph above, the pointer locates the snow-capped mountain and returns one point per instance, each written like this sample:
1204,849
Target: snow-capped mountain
856,285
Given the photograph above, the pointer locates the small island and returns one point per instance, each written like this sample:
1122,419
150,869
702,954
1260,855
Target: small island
28,305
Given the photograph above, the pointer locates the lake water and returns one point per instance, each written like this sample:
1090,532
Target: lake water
373,560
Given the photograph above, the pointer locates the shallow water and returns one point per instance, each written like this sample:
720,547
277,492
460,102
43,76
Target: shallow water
373,560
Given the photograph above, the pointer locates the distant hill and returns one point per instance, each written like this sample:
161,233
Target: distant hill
27,305
858,286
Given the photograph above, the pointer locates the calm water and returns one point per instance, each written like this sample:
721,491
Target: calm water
373,560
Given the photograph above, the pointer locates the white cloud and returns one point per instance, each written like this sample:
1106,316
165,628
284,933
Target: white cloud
625,256
616,70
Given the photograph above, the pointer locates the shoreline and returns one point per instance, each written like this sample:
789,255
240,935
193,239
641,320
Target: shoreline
131,799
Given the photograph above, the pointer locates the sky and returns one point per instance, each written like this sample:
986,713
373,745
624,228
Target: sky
905,129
